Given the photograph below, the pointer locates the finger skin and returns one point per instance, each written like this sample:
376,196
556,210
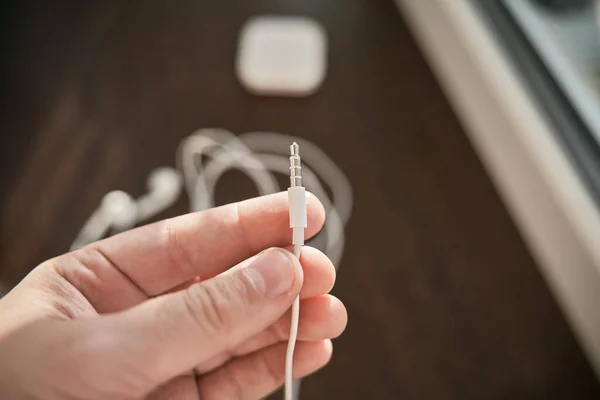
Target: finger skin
171,334
319,273
256,375
183,387
322,317
251,377
108,290
160,256
138,341
79,359
67,360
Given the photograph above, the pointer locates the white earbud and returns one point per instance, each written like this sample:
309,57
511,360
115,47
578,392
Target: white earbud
119,212
120,209
164,188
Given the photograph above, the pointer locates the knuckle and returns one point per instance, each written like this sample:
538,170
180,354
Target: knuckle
178,255
208,307
275,375
280,330
238,388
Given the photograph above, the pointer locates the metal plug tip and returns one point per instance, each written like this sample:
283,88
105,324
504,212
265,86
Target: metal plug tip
294,149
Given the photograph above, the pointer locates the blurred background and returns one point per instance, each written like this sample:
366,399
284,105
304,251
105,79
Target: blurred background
457,280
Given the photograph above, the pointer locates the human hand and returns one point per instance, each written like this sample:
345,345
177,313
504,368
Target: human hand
180,309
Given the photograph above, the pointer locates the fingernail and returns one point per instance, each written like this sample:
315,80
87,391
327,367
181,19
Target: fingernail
272,272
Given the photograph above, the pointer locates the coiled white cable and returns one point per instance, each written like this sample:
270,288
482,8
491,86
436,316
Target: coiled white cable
259,155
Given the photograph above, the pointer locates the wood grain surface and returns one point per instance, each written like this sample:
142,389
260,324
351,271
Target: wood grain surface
444,300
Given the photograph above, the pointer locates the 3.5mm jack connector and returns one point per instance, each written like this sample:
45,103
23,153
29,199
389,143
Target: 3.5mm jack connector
298,222
295,166
296,197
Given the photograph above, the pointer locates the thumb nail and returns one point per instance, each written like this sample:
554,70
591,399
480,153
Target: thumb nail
273,272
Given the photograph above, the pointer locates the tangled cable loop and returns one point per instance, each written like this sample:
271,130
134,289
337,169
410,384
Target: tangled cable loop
259,155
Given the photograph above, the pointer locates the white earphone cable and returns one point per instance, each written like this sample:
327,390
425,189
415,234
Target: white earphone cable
289,356
298,223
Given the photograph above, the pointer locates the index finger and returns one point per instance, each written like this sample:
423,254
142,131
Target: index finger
162,255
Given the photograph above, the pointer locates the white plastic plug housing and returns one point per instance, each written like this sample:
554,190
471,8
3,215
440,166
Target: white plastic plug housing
298,220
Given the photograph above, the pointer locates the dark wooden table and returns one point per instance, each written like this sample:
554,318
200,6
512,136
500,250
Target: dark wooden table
445,301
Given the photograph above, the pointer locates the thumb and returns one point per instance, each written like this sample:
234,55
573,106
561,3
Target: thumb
171,334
